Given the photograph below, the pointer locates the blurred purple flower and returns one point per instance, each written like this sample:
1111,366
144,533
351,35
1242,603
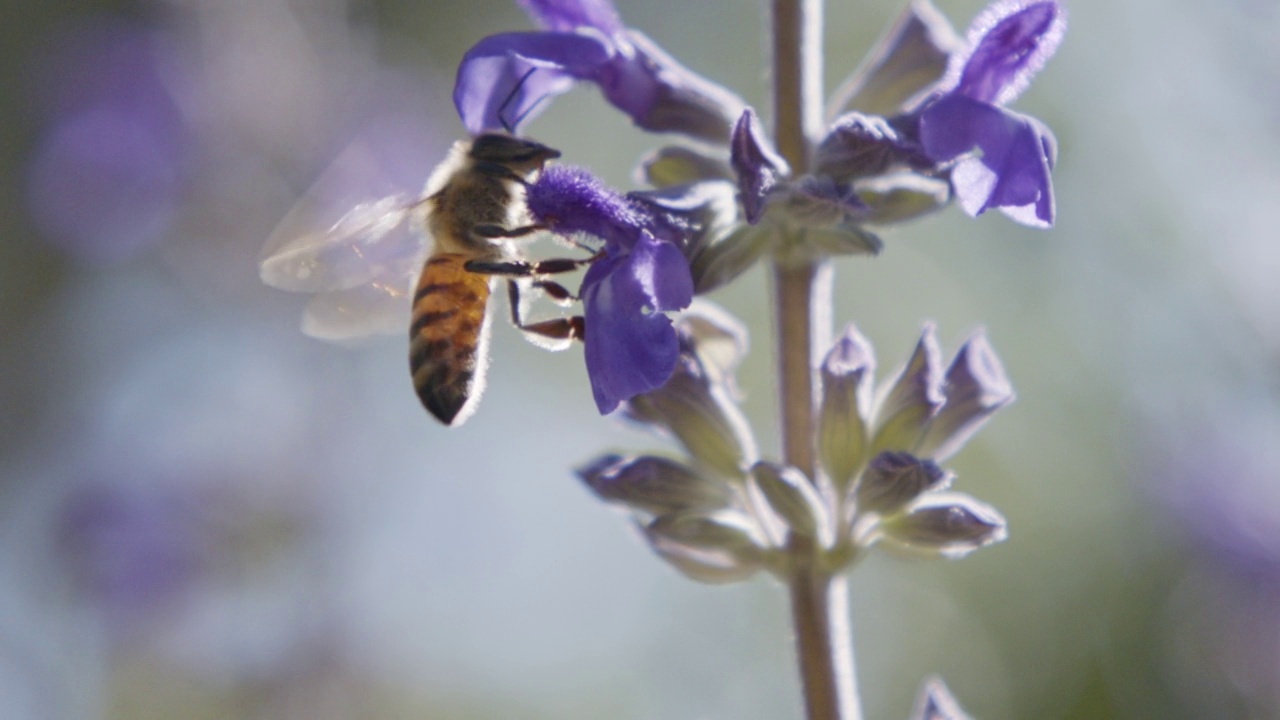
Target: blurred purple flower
1212,468
106,176
1009,42
1217,473
133,549
505,79
631,346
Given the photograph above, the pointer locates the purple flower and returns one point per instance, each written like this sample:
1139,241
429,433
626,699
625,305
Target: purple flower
504,79
1009,42
108,172
631,346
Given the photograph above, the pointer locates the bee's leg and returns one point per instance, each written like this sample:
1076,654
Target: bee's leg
561,331
558,293
554,334
497,232
520,268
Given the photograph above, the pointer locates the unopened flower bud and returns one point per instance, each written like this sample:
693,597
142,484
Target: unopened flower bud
795,501
860,145
949,525
846,401
899,196
696,405
894,479
759,167
831,214
976,387
936,703
703,418
916,396
721,259
654,485
717,547
718,338
908,60
681,164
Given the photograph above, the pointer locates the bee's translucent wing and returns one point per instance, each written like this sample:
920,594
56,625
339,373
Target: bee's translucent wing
359,256
345,231
376,308
351,252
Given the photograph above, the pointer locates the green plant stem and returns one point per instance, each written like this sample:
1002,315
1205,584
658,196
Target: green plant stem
820,612
802,294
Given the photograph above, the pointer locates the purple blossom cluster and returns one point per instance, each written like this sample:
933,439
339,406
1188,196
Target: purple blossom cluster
915,140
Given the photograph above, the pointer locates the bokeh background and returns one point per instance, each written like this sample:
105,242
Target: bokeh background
206,514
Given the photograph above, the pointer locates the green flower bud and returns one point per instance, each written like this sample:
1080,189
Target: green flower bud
913,400
949,525
654,485
894,479
681,164
793,498
717,547
846,401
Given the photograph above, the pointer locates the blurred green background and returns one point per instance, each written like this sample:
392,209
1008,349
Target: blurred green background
206,514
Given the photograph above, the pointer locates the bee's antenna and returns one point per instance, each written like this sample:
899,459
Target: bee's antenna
510,126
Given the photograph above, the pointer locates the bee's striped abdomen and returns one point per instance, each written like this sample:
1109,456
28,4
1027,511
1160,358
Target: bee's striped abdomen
447,338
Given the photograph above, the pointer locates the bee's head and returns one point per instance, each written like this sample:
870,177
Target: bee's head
519,154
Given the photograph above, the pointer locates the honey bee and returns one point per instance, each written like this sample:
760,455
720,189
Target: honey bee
363,269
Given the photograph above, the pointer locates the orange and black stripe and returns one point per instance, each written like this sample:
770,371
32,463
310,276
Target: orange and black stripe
447,334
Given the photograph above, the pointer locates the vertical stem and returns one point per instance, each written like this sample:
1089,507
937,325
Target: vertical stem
820,612
819,600
793,287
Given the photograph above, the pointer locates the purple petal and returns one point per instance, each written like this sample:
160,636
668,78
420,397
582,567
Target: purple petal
759,168
688,215
1017,154
571,200
569,15
661,95
631,346
504,79
1011,41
